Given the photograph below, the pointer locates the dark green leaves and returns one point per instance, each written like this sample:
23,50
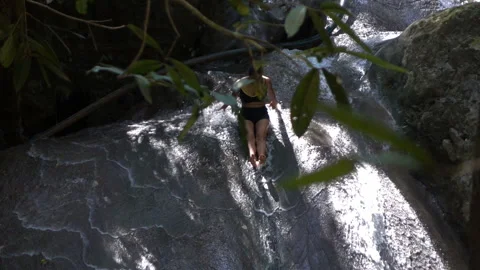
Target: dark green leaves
295,19
148,39
177,80
191,121
81,6
328,173
375,130
20,72
8,51
320,27
240,6
304,102
144,85
47,59
187,74
336,88
43,51
144,66
54,69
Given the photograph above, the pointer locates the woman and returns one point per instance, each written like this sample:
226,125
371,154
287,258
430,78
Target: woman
255,113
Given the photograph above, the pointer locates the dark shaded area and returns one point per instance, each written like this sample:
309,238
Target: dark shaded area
82,47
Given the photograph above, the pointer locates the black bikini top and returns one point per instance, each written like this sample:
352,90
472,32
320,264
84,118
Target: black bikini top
257,90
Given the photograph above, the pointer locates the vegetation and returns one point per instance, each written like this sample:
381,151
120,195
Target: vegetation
23,49
21,46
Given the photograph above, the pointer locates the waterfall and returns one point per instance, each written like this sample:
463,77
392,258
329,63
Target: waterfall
131,196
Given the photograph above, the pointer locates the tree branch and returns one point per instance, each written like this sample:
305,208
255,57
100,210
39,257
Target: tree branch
94,23
167,9
145,27
215,26
253,40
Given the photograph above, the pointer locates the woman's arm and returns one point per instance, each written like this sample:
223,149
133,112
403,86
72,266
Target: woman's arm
271,94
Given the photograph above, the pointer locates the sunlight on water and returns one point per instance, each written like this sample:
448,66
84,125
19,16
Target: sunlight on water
144,264
380,228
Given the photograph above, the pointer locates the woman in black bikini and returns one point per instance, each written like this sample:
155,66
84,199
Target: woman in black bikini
255,113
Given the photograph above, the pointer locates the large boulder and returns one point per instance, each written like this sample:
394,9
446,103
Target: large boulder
396,15
131,196
437,101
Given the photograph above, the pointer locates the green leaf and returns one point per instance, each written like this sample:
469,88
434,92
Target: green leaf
328,173
295,19
157,77
51,52
336,88
148,40
335,8
44,73
162,80
81,6
43,51
20,72
372,58
375,130
394,158
320,26
227,99
241,8
191,121
144,66
304,102
144,85
241,83
8,52
55,69
187,74
348,31
108,68
177,81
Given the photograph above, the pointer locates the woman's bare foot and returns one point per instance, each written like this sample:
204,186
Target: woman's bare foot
262,159
253,160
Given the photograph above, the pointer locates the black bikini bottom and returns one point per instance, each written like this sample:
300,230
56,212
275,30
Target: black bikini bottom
255,114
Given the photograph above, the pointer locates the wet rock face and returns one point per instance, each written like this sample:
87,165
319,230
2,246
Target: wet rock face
131,196
439,99
396,15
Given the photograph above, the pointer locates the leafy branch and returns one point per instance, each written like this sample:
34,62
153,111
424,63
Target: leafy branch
94,23
144,36
178,75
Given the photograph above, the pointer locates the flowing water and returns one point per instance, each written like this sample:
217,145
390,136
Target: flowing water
131,196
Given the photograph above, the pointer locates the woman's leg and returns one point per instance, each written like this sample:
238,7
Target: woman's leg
251,141
261,139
